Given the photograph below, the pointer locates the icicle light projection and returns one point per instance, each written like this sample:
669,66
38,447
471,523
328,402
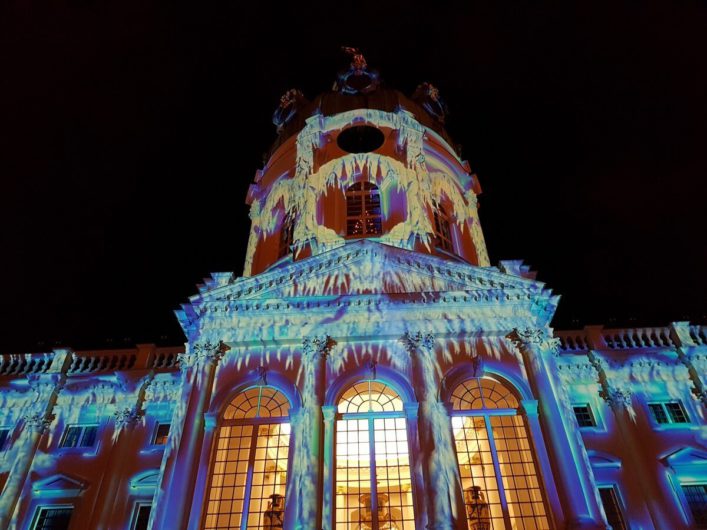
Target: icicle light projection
249,468
373,483
422,183
496,462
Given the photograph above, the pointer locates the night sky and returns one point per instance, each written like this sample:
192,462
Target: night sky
129,132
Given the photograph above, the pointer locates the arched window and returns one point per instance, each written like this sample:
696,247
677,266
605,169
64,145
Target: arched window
443,232
249,466
363,210
502,489
286,236
373,484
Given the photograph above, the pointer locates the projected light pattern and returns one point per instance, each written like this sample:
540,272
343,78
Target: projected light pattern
249,474
492,443
373,483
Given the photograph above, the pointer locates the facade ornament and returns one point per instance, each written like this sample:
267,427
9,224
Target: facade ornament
202,353
320,345
617,397
522,338
372,368
127,416
38,422
413,342
262,372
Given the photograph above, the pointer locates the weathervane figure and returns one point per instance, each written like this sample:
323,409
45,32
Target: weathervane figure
358,61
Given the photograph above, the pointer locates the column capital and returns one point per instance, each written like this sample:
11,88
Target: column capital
127,416
38,422
210,421
530,406
616,397
411,410
318,345
534,339
199,354
328,413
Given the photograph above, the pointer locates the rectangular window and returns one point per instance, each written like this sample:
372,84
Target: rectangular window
141,516
80,436
612,508
52,518
161,434
668,412
4,435
584,415
696,496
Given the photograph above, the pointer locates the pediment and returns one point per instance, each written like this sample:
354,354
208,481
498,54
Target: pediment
146,480
59,485
600,459
687,456
366,267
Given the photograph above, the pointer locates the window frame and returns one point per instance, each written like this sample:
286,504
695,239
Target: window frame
136,512
370,417
670,423
38,510
5,438
155,433
255,423
487,414
82,434
441,220
620,507
688,507
365,191
591,414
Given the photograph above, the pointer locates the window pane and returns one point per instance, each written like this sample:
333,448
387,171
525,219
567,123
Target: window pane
584,415
89,436
53,519
697,500
610,502
677,413
4,435
71,436
161,434
142,517
658,413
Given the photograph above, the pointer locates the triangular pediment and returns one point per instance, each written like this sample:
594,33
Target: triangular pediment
59,485
687,456
367,267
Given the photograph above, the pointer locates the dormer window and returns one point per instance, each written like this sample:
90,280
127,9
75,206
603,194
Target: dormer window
363,210
443,233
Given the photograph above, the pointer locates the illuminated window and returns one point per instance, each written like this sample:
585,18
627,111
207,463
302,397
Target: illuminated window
79,436
497,467
286,237
4,435
443,232
668,412
696,496
612,508
373,484
161,434
52,518
141,516
585,417
363,210
249,467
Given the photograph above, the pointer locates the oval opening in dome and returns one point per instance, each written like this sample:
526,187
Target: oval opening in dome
360,139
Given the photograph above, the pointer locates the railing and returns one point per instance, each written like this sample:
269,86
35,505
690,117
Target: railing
622,339
596,337
23,364
699,335
85,363
575,340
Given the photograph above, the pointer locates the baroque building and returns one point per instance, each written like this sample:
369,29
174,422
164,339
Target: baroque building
370,369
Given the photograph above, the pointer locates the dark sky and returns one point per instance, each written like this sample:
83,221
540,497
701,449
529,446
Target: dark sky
129,132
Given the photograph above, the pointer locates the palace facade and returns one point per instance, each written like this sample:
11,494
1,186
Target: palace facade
369,370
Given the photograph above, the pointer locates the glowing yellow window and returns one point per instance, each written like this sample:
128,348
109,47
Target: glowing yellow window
249,465
502,489
373,484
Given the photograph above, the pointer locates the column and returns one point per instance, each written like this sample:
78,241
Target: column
305,488
411,413
329,472
695,362
35,423
442,490
109,497
620,402
530,411
573,473
198,500
181,459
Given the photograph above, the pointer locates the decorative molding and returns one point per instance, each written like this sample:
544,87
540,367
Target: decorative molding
127,416
202,353
38,422
414,342
320,345
617,397
526,339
